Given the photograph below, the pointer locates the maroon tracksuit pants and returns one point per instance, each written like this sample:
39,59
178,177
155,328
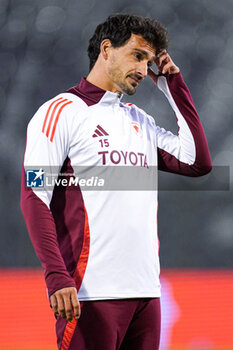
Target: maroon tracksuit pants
127,324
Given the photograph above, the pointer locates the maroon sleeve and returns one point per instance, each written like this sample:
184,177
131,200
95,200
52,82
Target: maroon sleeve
42,231
184,102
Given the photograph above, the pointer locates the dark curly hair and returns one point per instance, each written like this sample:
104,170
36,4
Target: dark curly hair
118,29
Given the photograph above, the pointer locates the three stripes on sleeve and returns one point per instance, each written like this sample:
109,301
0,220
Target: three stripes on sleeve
52,116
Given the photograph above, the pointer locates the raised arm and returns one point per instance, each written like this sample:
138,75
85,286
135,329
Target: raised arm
186,153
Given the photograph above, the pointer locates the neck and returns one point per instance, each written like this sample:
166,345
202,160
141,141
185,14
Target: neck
100,78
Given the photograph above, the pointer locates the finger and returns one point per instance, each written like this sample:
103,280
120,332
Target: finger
68,306
167,67
170,68
53,301
161,53
161,64
75,304
164,58
61,306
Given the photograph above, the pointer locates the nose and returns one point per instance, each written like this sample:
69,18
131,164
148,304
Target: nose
142,69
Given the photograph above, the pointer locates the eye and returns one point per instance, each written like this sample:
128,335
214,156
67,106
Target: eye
138,56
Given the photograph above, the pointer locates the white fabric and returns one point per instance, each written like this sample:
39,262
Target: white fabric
123,258
182,146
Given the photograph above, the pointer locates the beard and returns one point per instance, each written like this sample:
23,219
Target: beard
120,80
127,89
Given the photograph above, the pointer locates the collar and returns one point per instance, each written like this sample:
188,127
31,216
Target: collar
92,94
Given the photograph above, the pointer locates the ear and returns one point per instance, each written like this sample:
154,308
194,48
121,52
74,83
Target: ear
105,47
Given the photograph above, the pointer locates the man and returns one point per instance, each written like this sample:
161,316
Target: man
100,248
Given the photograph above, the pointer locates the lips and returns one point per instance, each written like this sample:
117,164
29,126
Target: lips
135,79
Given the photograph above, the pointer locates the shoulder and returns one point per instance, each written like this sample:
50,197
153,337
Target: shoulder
56,115
64,104
64,101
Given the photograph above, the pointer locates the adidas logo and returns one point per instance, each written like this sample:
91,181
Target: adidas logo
99,131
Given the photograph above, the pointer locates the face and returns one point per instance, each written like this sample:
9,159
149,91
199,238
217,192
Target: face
128,65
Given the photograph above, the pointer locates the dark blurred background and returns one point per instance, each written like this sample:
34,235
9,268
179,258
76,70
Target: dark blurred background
43,48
